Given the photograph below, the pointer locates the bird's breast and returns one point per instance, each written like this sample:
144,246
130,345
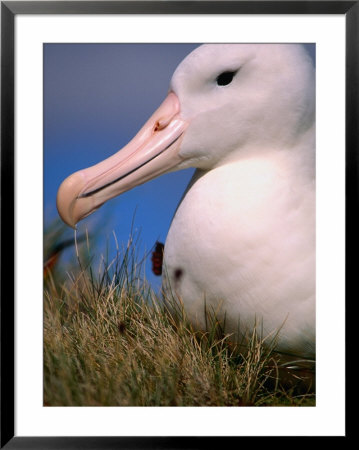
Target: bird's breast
243,241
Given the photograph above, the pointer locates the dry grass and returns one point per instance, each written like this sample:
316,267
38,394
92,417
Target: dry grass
109,341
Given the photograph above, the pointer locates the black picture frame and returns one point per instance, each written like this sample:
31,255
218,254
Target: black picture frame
9,10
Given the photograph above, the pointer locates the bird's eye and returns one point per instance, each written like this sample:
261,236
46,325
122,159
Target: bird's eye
225,78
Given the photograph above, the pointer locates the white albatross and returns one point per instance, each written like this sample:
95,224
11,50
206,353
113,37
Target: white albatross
243,235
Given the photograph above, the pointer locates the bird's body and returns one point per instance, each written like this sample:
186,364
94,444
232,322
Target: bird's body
251,257
243,237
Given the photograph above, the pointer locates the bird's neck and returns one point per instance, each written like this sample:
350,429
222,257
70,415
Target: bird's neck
282,152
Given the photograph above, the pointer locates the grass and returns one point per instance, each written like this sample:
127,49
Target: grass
109,340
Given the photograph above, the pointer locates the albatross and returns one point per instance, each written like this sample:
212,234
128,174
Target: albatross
242,239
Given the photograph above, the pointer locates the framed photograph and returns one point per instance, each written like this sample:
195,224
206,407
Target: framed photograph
94,314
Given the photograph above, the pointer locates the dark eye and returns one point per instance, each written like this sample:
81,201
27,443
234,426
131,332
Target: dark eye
225,78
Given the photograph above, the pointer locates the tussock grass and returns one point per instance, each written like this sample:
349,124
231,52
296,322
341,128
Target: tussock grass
109,340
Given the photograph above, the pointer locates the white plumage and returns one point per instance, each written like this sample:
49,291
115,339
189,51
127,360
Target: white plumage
244,233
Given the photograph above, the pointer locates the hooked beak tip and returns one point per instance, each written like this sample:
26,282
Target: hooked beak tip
65,200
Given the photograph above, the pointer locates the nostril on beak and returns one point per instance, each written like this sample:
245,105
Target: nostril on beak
161,124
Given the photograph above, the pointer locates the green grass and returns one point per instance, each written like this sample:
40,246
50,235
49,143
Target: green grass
110,341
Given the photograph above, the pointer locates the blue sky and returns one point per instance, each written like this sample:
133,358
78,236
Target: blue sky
96,98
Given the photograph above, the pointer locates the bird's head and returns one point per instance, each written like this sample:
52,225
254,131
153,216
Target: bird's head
224,100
